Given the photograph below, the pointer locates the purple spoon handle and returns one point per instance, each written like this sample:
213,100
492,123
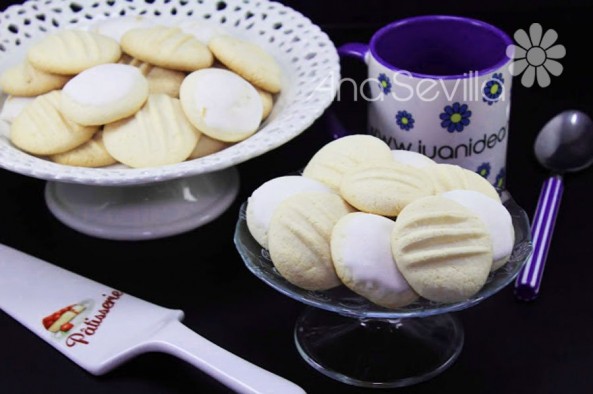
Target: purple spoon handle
530,277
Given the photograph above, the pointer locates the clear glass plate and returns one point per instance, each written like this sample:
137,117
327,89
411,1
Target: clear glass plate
347,303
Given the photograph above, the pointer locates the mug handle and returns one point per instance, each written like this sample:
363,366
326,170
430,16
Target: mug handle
358,51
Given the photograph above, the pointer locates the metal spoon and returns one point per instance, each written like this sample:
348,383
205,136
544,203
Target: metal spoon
564,144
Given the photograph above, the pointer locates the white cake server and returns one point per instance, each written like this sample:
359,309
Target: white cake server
99,327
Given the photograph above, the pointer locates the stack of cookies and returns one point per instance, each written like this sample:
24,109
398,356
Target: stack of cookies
130,91
393,226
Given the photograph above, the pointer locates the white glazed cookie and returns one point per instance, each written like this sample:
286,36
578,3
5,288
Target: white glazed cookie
26,80
221,104
69,52
361,252
201,30
340,156
158,134
13,106
442,249
299,238
90,154
495,216
207,146
104,94
386,188
266,198
411,158
167,47
117,27
249,61
42,129
446,177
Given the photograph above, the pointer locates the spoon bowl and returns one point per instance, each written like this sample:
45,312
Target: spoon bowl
564,144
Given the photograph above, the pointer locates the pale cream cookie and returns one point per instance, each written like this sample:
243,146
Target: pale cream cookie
89,154
160,80
361,252
69,52
221,104
13,106
346,154
447,177
26,80
412,158
41,128
385,188
167,47
249,61
103,94
299,238
158,134
267,101
442,249
207,146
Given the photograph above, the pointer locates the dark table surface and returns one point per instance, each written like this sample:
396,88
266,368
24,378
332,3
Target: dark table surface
544,346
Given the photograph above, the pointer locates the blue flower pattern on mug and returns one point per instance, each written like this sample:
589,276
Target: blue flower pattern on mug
455,117
384,83
493,89
404,120
484,169
500,178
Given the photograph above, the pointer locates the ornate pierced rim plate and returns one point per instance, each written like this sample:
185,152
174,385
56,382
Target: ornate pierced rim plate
307,56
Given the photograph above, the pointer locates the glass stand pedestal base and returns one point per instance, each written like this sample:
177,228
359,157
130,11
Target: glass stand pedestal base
378,352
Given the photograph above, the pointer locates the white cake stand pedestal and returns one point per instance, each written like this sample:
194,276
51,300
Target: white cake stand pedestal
141,212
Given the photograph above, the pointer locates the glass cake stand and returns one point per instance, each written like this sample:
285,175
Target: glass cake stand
350,339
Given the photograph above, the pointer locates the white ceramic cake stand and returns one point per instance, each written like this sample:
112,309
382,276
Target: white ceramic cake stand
350,339
124,203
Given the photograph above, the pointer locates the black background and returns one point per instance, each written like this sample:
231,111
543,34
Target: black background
541,347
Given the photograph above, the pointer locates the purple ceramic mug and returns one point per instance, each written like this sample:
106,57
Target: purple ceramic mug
440,85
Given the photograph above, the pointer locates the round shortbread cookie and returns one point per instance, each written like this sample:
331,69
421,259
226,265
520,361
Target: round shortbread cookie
299,238
221,104
104,94
267,101
442,249
160,80
158,134
446,177
386,188
207,146
117,27
42,129
266,198
249,61
26,80
90,154
361,252
13,106
413,159
497,219
345,154
167,47
69,52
